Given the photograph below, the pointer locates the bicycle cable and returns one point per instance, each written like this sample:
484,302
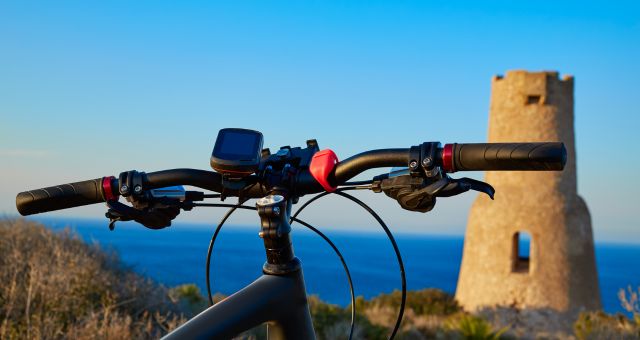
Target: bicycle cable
389,235
346,269
367,182
210,249
232,209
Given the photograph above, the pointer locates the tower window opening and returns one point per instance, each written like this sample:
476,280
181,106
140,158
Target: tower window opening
534,100
521,252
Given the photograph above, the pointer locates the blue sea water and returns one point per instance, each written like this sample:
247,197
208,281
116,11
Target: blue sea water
177,255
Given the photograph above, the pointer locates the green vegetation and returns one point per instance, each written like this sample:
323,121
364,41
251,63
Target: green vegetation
599,325
55,286
428,301
473,327
430,313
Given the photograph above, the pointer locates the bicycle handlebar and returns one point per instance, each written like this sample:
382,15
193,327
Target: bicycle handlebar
453,157
354,165
60,197
504,156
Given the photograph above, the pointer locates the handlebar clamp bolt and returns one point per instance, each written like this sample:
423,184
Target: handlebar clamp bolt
413,164
427,162
124,189
137,189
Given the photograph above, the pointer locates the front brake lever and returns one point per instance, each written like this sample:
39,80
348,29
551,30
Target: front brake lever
413,196
157,217
457,186
118,212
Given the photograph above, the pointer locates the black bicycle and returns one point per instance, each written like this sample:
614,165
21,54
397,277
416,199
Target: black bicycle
277,180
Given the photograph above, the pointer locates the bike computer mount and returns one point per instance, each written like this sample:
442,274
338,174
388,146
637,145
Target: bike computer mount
237,152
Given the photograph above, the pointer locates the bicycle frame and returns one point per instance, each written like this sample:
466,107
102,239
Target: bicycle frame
278,297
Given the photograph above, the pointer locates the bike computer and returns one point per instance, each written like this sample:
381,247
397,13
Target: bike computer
237,151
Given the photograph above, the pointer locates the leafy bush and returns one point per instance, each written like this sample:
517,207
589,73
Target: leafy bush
331,321
473,328
190,299
599,325
429,301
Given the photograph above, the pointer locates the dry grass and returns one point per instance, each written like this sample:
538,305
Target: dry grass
629,300
599,325
54,286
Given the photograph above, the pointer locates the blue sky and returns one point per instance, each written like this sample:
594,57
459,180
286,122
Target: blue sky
91,89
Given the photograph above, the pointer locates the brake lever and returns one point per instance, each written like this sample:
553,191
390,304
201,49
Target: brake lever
419,194
457,186
157,215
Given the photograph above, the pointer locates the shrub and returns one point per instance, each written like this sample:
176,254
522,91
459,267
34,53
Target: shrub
473,328
190,299
599,325
56,286
630,303
332,321
429,301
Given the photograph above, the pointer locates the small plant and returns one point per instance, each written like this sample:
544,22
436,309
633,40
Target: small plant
630,303
189,297
599,325
474,328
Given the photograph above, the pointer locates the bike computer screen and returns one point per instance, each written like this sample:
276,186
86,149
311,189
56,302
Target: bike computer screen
237,151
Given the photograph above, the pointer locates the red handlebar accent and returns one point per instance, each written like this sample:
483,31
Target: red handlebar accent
322,164
107,189
447,158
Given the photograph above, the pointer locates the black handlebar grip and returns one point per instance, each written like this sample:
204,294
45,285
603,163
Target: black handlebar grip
507,156
60,197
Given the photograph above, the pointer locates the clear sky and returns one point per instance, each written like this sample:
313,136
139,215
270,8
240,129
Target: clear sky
95,88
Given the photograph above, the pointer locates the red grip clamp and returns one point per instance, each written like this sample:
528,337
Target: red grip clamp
322,164
107,189
447,158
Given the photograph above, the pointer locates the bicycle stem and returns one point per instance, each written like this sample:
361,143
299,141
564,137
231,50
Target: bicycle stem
274,211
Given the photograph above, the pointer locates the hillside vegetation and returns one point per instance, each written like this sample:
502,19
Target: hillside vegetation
55,286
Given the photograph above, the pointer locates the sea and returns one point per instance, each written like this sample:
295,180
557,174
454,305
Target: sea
177,255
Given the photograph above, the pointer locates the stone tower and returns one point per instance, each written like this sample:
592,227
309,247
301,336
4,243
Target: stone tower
555,272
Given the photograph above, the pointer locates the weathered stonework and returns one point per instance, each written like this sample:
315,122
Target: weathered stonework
560,275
